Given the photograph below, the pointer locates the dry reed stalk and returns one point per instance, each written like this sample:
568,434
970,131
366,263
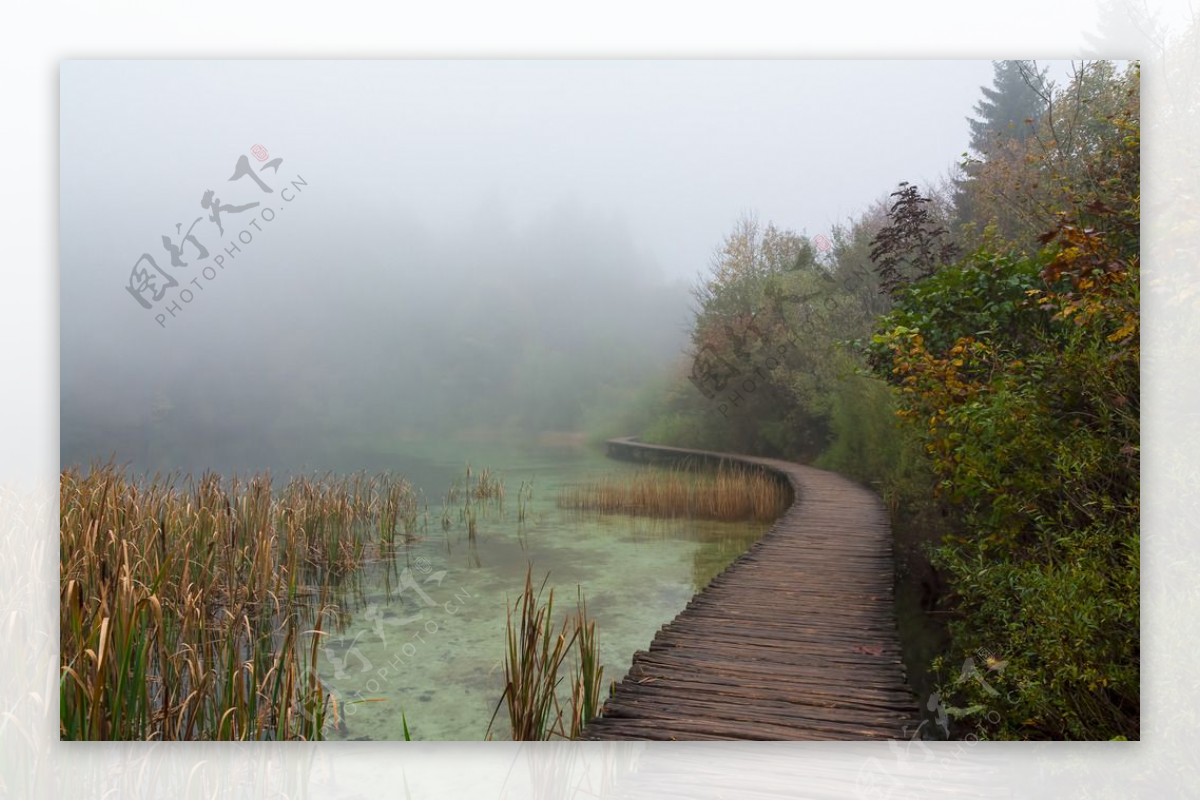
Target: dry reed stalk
535,653
181,601
726,494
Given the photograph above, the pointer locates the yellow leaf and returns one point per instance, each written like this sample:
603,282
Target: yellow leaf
1123,332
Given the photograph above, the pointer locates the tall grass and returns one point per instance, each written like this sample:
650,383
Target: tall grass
587,689
473,493
729,493
524,500
536,651
488,486
196,611
398,509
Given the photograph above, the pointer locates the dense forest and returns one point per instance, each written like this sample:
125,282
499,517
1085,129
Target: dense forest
970,349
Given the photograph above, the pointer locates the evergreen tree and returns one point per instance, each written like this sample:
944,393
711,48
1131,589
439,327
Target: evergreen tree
1008,109
1008,112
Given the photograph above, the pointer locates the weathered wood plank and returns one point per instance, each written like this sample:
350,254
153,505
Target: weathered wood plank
796,640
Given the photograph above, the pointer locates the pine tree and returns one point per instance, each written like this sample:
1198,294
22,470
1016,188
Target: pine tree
1009,109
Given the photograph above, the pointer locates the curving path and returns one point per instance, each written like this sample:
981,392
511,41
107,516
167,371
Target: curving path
796,640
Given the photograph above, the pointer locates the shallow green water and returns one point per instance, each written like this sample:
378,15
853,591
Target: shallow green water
426,637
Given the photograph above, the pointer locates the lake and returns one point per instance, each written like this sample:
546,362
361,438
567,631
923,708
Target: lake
424,637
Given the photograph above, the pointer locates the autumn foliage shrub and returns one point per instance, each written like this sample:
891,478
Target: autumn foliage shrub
1022,376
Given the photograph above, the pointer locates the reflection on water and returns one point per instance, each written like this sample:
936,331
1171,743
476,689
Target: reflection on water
423,636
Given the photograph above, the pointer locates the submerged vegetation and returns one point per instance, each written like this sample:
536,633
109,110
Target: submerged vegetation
729,493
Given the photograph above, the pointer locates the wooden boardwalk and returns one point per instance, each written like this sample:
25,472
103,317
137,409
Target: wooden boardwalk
796,640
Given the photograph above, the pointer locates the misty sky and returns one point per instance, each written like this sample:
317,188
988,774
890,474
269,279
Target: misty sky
425,214
674,149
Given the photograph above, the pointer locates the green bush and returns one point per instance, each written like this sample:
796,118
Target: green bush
1028,407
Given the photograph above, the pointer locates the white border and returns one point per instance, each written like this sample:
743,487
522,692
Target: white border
35,37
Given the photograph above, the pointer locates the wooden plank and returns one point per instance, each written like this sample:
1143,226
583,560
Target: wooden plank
795,640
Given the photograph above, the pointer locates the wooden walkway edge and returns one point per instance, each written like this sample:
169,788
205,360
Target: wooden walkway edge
796,640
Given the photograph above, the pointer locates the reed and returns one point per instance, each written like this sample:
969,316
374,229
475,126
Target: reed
398,509
533,658
524,500
488,486
469,514
536,651
587,688
194,609
471,497
728,493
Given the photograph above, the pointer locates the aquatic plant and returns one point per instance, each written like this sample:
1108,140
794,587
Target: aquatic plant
587,686
488,487
468,514
533,656
524,500
397,509
535,653
194,609
729,493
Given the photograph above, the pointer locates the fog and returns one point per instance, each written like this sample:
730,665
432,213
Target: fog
432,249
